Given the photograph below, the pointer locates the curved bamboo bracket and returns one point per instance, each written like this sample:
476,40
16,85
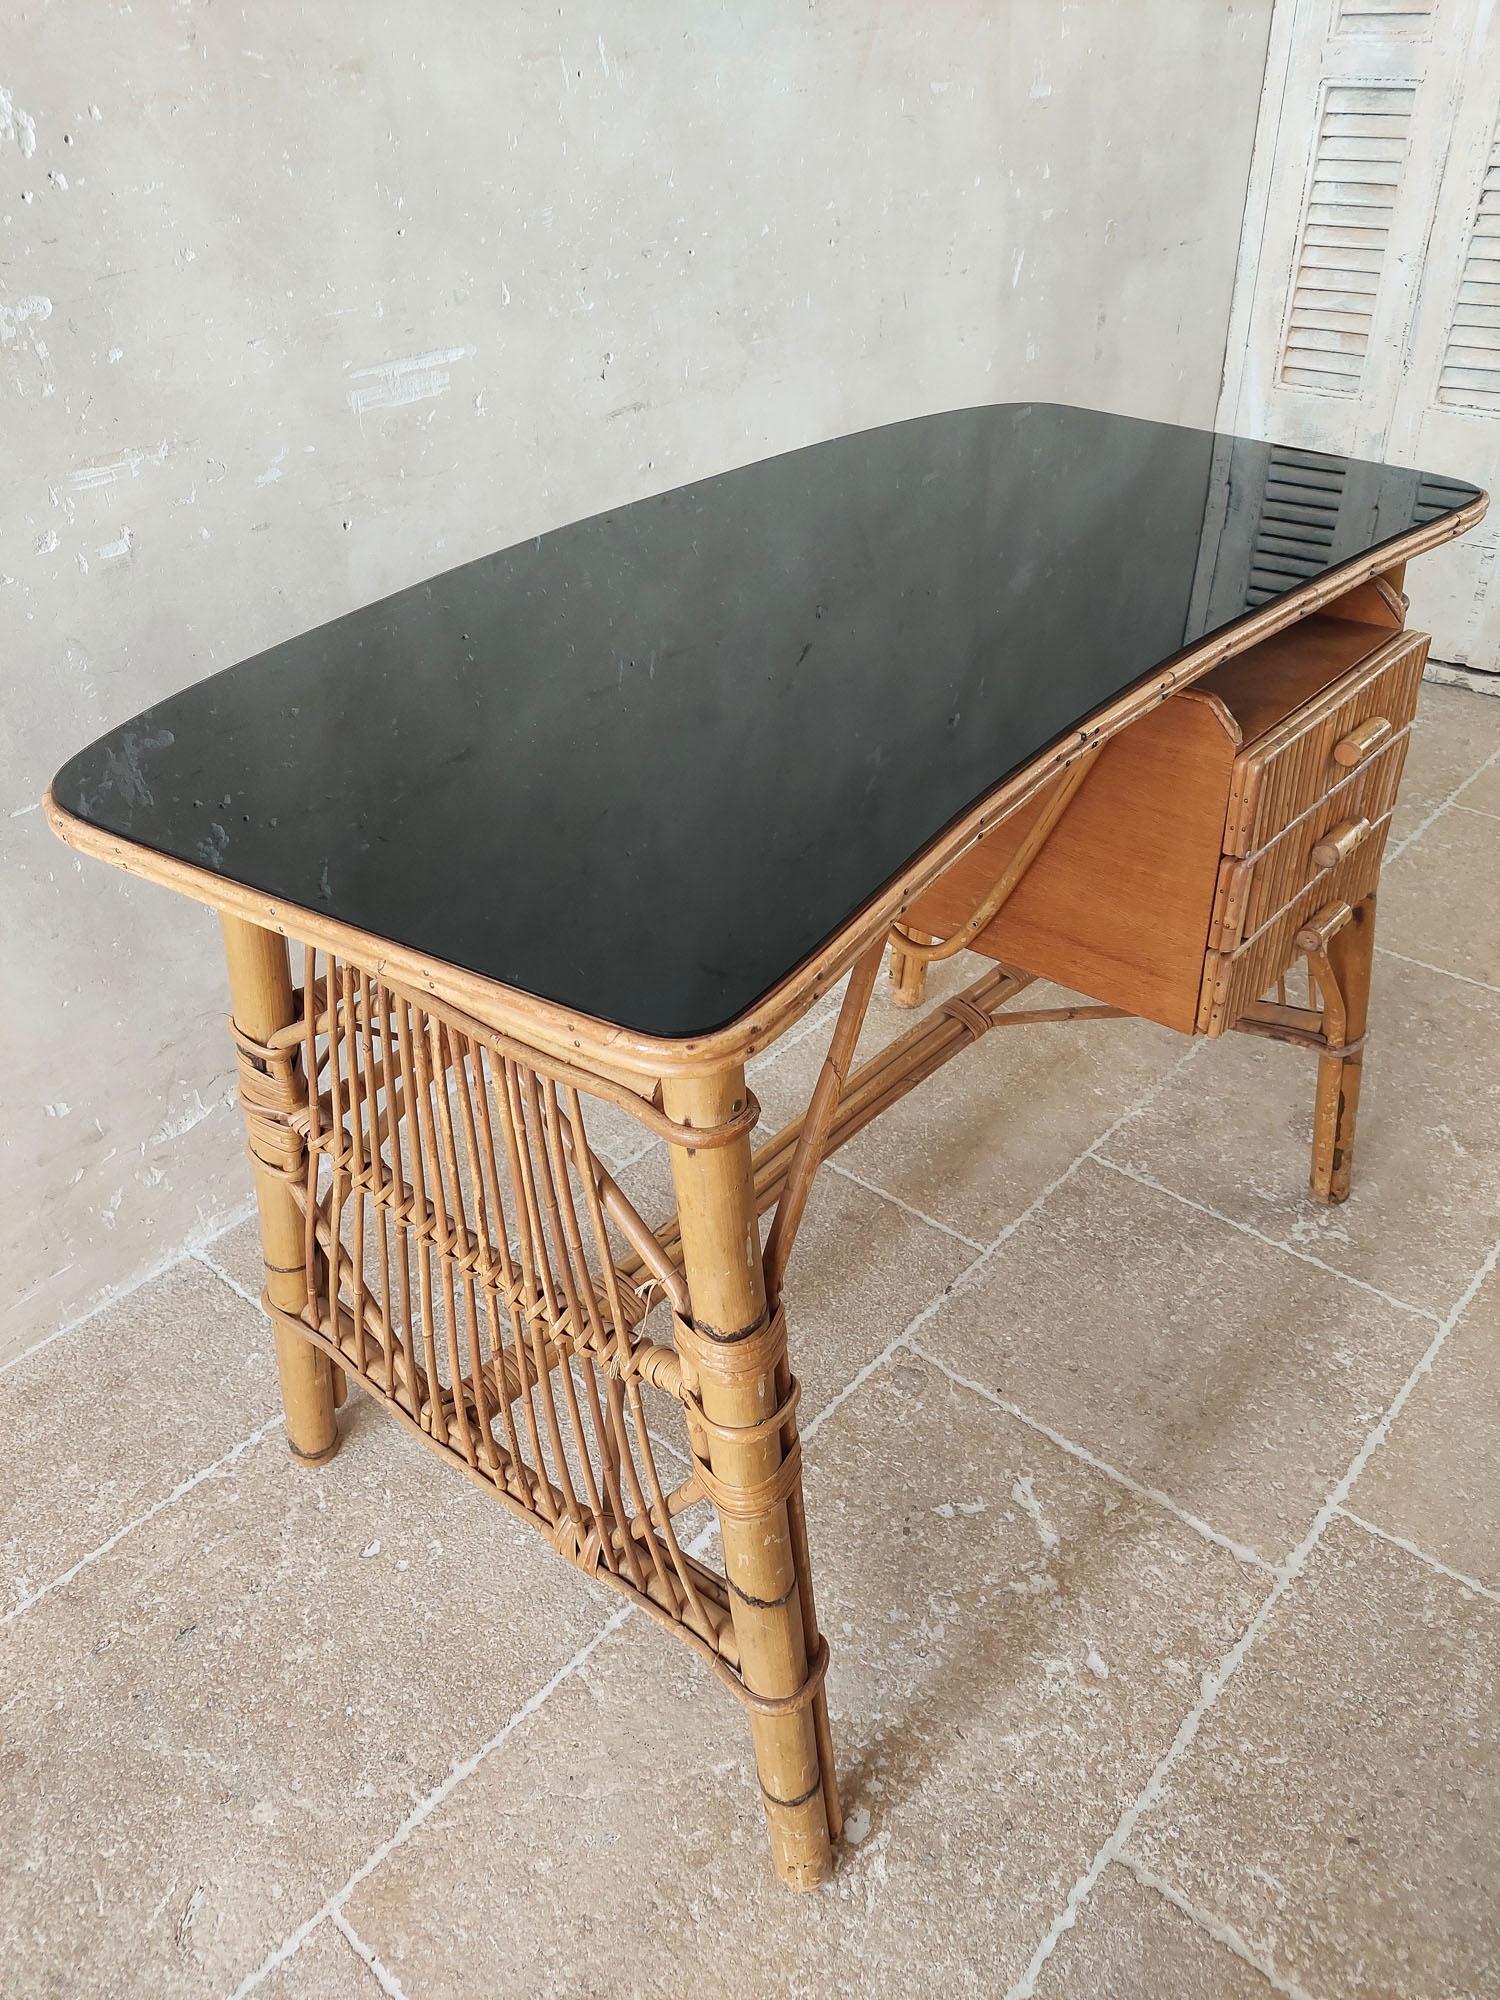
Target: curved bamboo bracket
1036,839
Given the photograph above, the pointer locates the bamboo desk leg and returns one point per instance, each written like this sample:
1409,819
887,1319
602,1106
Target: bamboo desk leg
1351,954
260,989
908,979
730,1354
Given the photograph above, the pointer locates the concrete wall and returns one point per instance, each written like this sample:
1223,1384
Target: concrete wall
299,305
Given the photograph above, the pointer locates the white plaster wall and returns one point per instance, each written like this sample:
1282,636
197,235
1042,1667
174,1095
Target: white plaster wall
300,304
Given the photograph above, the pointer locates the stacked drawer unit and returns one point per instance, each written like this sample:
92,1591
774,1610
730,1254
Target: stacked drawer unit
1310,805
1212,831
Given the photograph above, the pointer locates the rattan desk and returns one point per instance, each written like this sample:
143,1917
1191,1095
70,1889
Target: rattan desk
593,820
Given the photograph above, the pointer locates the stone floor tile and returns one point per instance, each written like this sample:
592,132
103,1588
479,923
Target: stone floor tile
1201,1362
1130,1943
104,1422
1340,1806
1233,1131
1435,1481
1440,900
205,1736
1015,1641
860,1272
1455,731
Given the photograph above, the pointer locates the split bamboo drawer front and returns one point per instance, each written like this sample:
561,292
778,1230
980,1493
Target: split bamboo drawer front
1208,835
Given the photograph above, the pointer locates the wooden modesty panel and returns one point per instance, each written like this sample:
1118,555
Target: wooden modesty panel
1117,903
1200,823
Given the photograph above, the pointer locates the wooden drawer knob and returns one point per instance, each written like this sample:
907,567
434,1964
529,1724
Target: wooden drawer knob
1361,742
1316,934
1339,842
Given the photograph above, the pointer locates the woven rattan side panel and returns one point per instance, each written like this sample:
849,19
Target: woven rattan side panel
473,1265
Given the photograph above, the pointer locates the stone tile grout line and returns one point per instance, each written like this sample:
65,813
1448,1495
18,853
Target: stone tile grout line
1271,1242
965,1279
1445,971
202,1257
906,1208
1239,1550
1469,1583
170,1263
1217,1929
219,1467
1218,1678
427,1806
387,1981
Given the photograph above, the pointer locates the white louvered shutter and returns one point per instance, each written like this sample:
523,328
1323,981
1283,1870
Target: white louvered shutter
1368,316
1358,166
1446,414
1469,377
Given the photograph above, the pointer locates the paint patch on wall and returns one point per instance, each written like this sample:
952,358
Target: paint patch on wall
118,549
16,126
13,318
124,465
415,378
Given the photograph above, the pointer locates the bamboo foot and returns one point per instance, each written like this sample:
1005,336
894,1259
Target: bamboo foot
1351,954
306,1376
260,988
734,1364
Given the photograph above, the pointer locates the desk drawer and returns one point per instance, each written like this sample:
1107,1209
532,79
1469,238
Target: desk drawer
1233,979
1251,891
1284,772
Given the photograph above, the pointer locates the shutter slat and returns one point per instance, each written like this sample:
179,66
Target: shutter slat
1385,17
1334,317
1364,149
1360,267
